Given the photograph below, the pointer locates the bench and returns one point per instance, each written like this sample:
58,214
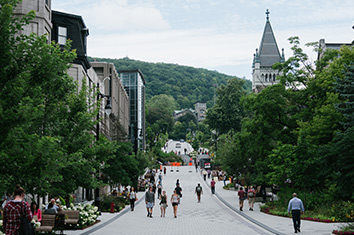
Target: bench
47,223
72,217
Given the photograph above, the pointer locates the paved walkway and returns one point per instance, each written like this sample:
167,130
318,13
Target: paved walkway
211,216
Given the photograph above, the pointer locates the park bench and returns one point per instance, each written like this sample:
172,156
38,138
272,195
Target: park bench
72,217
47,223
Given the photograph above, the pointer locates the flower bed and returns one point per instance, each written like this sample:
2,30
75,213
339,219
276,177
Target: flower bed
88,214
268,210
342,232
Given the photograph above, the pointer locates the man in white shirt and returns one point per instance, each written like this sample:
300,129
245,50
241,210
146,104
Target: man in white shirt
297,208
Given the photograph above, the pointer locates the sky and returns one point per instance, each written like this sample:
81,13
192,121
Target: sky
219,35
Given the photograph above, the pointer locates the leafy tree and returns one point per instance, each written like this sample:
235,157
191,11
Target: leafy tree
227,114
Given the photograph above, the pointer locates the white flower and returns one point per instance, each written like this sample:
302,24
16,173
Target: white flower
1,222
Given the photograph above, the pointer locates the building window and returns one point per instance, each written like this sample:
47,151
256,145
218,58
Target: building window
62,35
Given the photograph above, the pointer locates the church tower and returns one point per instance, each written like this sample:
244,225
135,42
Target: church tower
268,54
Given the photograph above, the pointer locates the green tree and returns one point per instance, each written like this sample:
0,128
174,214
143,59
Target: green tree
227,113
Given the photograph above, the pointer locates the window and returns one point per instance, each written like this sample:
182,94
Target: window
62,35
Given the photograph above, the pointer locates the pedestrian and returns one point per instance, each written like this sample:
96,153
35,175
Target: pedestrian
160,177
163,203
241,197
209,173
132,198
199,191
297,208
175,201
212,186
149,201
164,170
204,174
179,192
264,193
159,189
251,194
14,210
225,179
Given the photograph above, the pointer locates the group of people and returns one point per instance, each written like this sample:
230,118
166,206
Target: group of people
162,196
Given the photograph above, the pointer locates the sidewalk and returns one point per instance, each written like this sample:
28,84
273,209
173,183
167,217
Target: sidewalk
283,225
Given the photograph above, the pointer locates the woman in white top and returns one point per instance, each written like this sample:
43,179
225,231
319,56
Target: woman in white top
132,198
174,202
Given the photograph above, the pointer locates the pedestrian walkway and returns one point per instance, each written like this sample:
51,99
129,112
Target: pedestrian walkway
211,216
282,225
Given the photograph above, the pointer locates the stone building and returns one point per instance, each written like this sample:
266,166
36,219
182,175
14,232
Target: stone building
118,125
200,109
265,57
42,23
323,46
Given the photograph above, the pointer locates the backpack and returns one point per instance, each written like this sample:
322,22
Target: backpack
250,194
199,189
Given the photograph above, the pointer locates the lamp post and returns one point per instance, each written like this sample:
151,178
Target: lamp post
108,111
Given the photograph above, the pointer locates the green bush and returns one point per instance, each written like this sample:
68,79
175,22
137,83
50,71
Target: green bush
228,186
119,203
343,211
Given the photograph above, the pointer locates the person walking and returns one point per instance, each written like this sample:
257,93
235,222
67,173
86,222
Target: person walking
179,192
164,170
14,210
251,194
297,208
212,186
199,192
241,197
174,201
159,189
163,203
132,198
149,201
204,172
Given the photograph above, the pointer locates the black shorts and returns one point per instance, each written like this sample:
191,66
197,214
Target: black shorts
174,203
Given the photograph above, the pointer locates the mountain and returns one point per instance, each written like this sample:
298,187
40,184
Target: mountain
186,84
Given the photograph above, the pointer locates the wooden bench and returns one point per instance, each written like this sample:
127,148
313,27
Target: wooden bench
72,217
47,223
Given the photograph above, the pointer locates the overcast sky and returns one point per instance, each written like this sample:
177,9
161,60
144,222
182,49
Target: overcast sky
218,35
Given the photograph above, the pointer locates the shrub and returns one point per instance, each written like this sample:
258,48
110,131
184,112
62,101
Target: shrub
88,213
118,201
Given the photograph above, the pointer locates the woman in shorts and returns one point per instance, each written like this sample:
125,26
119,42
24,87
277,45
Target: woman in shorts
174,202
163,203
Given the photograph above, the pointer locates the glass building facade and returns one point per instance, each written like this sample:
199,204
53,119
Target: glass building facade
134,84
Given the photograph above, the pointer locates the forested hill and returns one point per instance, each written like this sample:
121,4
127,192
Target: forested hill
186,84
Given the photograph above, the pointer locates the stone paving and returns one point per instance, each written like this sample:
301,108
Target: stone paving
211,216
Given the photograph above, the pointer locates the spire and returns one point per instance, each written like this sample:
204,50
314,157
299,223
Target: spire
268,49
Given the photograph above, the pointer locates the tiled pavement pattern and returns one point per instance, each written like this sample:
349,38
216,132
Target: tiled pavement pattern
210,216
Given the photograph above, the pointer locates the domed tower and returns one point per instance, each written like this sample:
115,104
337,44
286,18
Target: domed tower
268,54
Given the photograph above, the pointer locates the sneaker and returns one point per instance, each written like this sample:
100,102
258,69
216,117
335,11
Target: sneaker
295,231
298,229
150,216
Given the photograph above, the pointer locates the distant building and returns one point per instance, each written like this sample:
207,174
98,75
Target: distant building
180,113
268,54
323,46
200,109
134,84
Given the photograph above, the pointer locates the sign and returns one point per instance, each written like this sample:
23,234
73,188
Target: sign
207,165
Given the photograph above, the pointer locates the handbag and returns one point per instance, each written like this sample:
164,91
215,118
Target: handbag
26,226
